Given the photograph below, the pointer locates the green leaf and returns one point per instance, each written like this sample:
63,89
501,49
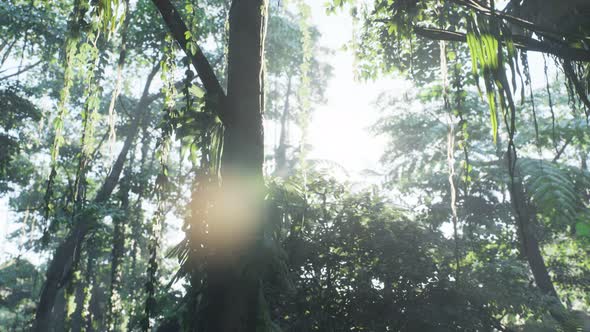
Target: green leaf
493,115
196,91
583,229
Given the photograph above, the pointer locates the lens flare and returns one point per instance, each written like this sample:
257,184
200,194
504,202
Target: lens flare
235,215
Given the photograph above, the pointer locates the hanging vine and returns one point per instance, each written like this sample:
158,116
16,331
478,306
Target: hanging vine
104,18
154,231
550,101
527,74
120,65
168,66
203,139
451,134
115,305
86,316
71,49
91,62
94,61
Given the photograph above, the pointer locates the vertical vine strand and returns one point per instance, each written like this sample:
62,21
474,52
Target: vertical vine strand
118,79
71,46
450,152
155,227
550,101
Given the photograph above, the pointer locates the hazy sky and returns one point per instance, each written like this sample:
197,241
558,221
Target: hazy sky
338,130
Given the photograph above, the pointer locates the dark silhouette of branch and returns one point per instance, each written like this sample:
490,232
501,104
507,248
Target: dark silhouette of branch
204,69
523,23
20,71
523,42
113,178
560,152
571,75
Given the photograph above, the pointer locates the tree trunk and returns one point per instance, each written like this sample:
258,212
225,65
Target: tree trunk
236,226
526,219
58,323
76,324
233,300
90,280
281,152
114,304
528,239
67,253
58,269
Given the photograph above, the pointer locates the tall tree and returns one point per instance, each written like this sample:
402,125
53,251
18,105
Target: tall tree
67,254
233,296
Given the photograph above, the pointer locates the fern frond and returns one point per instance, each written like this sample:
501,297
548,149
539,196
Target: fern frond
552,189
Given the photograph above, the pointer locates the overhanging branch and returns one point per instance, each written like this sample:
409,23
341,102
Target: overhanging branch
571,74
521,22
523,42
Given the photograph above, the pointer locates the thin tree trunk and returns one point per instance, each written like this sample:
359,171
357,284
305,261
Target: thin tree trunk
86,316
525,220
529,242
77,320
281,152
67,253
114,305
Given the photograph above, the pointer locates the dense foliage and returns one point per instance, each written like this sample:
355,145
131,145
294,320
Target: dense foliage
145,196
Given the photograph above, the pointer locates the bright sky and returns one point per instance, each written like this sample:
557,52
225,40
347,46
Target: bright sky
338,130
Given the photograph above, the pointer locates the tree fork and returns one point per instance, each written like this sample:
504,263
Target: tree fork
204,69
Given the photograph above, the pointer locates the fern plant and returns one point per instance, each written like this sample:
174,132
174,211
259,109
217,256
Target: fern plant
555,191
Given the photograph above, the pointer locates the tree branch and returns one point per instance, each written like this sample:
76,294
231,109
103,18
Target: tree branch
523,42
560,152
141,109
178,29
523,23
20,71
571,74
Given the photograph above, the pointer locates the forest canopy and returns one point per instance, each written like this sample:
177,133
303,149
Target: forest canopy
158,172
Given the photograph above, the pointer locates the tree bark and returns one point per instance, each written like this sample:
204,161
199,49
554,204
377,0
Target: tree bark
67,253
233,272
233,287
